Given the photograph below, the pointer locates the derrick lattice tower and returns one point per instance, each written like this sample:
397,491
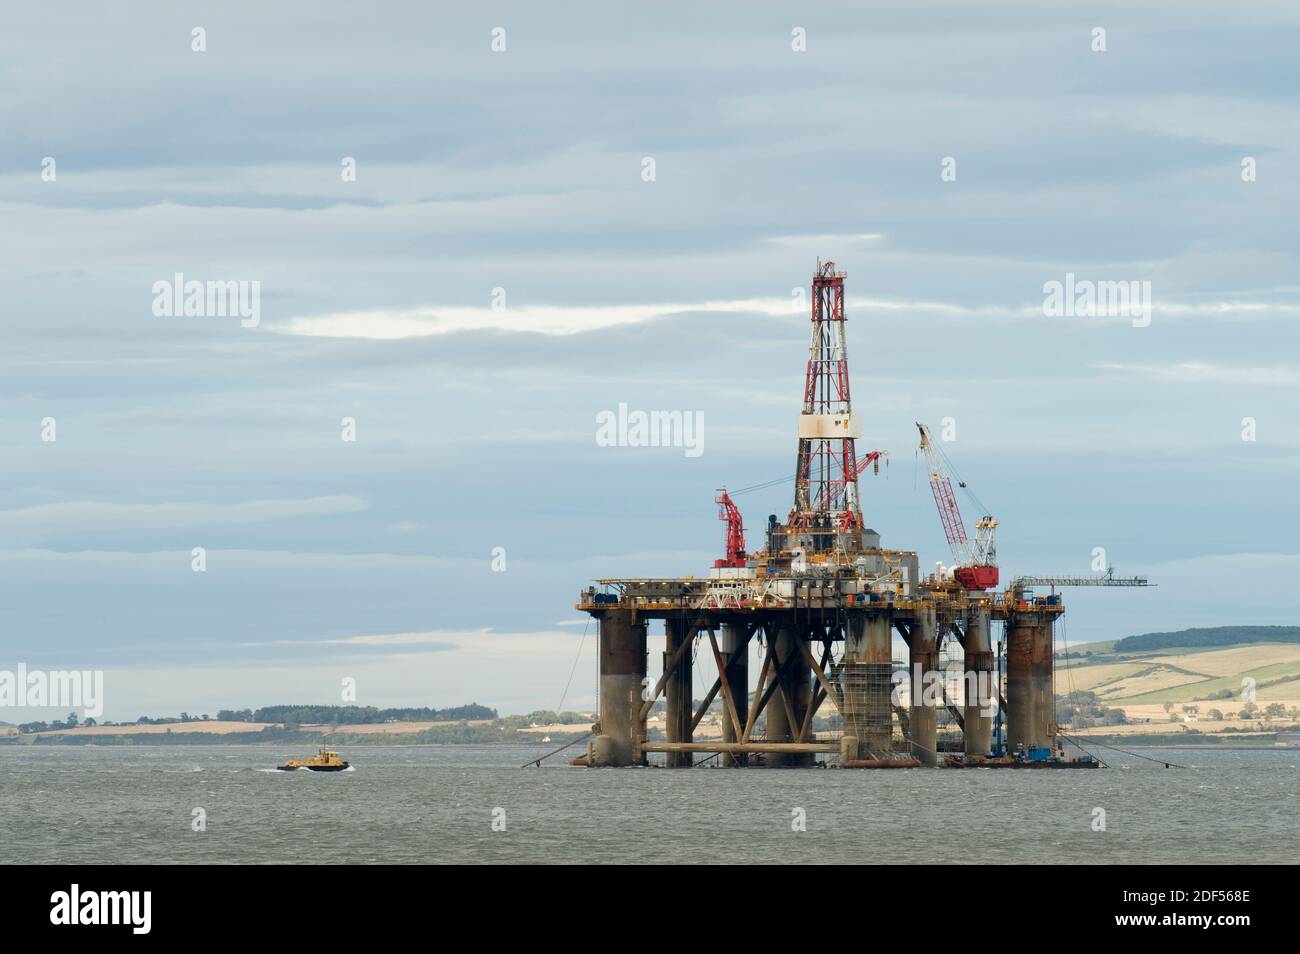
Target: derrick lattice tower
827,514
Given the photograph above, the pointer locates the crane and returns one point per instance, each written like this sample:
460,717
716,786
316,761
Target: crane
976,560
1108,579
735,543
873,458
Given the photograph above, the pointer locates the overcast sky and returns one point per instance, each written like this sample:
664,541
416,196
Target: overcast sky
523,170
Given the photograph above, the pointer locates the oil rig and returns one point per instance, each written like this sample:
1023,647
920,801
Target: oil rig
824,598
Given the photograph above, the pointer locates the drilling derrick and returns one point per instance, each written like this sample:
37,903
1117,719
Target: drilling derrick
827,515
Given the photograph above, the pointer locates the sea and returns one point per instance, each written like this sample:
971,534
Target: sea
465,804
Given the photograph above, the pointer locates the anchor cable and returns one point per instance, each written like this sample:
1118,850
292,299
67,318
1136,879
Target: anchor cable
1164,762
576,660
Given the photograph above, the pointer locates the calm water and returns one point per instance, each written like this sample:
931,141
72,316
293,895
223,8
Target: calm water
435,803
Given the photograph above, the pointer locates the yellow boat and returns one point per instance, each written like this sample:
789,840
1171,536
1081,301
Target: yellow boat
322,761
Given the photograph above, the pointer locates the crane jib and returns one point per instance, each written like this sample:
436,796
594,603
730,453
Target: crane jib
949,513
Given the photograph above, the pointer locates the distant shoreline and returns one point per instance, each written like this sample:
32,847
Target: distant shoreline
479,732
1231,748
466,733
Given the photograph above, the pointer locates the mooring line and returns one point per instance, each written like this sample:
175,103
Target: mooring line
538,761
576,660
1164,762
1080,745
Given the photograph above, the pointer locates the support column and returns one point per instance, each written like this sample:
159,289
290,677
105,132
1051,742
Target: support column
622,673
1043,728
677,693
980,692
797,686
866,685
801,683
1031,705
923,667
733,638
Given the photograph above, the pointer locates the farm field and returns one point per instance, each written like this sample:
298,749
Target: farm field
1184,675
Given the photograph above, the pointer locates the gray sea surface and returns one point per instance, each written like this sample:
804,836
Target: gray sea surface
436,804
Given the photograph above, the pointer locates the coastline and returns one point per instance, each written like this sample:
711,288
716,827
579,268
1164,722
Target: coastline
444,733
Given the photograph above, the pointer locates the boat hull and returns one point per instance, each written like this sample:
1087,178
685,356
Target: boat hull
313,768
1017,764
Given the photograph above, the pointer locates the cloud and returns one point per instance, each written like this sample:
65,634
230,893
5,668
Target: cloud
89,515
476,427
431,640
1213,309
513,672
395,324
546,320
823,241
555,320
1202,372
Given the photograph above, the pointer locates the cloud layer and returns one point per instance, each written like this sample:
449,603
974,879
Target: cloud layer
501,271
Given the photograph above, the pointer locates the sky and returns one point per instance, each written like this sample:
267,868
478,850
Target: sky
616,208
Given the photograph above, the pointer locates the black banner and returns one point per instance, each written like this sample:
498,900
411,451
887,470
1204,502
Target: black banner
191,903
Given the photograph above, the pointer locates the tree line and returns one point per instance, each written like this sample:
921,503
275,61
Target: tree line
354,715
1209,636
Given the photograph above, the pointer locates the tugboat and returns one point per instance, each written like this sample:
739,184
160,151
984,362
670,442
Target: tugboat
322,761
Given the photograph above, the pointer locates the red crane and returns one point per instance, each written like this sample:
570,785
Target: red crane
735,545
976,561
873,458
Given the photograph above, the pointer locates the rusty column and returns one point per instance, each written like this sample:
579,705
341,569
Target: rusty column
622,673
923,667
677,693
801,682
1043,728
866,681
776,726
797,686
1031,715
980,689
733,637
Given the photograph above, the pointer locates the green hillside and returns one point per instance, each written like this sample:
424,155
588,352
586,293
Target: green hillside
1206,637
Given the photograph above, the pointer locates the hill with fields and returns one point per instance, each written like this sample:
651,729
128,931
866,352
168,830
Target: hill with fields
1197,678
1177,674
1189,665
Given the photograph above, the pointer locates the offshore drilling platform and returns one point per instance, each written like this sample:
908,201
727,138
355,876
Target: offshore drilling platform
825,597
